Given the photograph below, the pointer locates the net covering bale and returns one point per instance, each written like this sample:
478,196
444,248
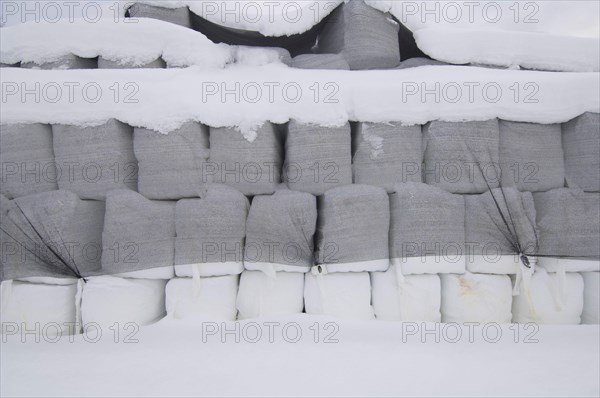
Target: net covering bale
581,145
104,63
320,61
178,16
69,61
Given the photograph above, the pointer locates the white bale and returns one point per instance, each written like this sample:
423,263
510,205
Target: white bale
261,295
552,298
591,298
107,300
476,298
406,298
343,295
50,309
493,263
206,298
571,264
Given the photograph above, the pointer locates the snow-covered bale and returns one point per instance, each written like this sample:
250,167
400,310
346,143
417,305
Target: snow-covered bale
51,310
406,298
461,156
279,232
171,165
567,220
320,61
104,63
591,298
427,230
129,303
53,235
261,295
210,233
258,56
95,160
139,236
386,154
179,16
531,156
203,298
317,158
28,165
250,163
499,226
552,298
364,36
581,145
353,229
476,298
342,295
62,62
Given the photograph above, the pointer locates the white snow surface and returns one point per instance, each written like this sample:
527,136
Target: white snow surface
531,50
374,358
245,96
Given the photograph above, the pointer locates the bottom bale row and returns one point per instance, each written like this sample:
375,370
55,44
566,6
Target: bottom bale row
103,301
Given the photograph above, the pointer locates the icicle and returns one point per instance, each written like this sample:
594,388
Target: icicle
196,280
319,271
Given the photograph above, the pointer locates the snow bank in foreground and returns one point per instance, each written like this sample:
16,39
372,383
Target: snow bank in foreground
163,99
506,48
374,358
130,42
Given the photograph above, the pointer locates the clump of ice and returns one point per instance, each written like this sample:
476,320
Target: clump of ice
373,140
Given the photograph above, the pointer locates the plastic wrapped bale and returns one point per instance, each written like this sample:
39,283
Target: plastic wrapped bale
531,156
552,298
51,310
210,233
69,61
581,145
317,158
386,154
320,61
104,63
95,160
178,16
353,229
279,232
28,165
569,231
476,298
129,303
56,236
204,298
396,297
461,157
364,36
591,298
171,165
251,164
261,295
499,226
427,230
139,236
342,295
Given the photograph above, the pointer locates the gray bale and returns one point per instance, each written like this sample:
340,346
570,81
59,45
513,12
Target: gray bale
317,158
3,65
581,145
104,63
461,156
280,230
419,61
211,229
95,160
320,61
69,61
178,16
426,221
28,165
57,233
171,165
139,234
386,154
367,38
531,156
568,223
352,229
487,233
253,168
